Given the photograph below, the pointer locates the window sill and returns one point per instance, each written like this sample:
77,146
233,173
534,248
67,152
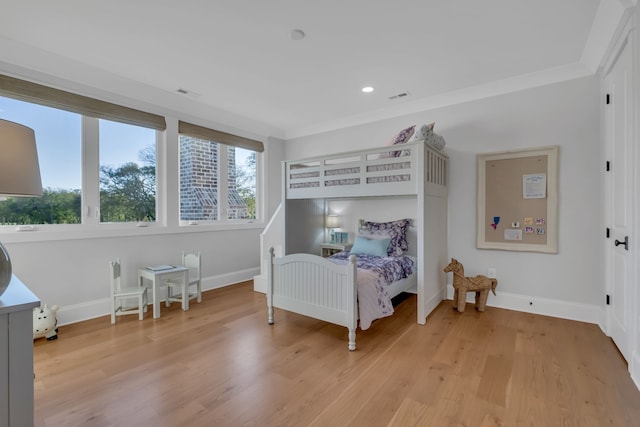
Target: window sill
43,233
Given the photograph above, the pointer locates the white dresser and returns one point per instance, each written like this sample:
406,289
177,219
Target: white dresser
16,355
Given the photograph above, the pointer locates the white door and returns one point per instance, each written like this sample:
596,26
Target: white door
619,188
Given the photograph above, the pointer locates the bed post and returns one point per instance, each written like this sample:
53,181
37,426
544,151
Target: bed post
352,311
270,286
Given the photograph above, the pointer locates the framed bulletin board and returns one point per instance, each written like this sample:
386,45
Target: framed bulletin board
518,200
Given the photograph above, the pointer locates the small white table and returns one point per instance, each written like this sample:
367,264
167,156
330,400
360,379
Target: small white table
157,276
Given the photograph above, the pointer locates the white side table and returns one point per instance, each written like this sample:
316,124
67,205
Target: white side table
328,249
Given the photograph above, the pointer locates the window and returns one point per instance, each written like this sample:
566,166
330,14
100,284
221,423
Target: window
216,181
127,172
127,176
241,184
59,142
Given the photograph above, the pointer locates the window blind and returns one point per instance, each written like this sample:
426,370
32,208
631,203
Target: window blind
23,90
213,135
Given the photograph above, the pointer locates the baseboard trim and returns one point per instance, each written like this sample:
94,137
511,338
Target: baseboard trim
91,309
635,369
260,283
543,306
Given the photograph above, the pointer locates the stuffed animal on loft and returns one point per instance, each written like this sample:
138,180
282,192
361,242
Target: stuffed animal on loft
45,322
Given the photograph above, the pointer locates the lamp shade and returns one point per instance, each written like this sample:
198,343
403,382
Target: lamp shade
19,176
19,170
334,221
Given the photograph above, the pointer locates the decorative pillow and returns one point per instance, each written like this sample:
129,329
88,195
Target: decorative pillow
400,138
364,246
397,231
374,234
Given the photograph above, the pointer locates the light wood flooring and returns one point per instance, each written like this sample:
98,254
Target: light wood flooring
220,364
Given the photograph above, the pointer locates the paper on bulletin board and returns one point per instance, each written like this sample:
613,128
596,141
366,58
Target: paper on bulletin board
534,186
512,234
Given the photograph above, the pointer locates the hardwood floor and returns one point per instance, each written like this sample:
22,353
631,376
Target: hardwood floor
220,364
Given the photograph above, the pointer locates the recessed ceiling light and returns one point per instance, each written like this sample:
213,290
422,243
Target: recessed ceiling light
296,34
367,89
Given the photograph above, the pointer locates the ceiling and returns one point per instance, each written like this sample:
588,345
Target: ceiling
238,64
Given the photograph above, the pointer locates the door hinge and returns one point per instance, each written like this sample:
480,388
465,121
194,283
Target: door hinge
608,299
608,99
608,233
608,166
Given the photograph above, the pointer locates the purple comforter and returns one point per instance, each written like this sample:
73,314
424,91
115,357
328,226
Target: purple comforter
375,273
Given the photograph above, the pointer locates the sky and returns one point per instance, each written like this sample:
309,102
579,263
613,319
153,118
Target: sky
57,138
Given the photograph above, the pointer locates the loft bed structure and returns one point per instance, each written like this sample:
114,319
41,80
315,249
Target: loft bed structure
412,176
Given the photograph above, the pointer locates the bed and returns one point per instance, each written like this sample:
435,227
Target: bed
351,288
294,279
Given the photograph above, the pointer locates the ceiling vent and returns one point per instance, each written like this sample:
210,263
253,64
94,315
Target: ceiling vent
400,95
189,93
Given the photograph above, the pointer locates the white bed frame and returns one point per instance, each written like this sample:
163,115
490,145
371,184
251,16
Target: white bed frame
316,287
310,285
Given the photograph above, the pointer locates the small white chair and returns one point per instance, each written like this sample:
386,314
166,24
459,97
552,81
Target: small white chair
119,295
183,295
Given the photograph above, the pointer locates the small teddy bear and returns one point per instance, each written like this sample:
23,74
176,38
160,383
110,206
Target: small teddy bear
45,322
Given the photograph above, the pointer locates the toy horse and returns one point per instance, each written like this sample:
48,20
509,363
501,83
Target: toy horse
461,285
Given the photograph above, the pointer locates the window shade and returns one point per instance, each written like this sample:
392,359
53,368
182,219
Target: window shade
213,135
38,94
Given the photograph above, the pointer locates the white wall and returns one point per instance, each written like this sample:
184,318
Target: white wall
74,273
569,284
273,156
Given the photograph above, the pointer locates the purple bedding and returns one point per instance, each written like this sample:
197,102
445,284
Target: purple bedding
391,268
375,273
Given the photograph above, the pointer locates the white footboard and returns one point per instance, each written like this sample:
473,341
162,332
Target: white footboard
313,286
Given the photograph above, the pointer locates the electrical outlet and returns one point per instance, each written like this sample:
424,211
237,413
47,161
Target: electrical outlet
491,273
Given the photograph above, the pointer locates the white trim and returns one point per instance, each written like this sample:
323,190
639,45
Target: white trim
544,306
634,369
97,308
430,304
59,232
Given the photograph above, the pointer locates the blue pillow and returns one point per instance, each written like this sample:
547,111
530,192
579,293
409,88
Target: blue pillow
364,246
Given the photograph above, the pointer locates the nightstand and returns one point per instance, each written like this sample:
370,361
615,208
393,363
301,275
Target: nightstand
328,249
